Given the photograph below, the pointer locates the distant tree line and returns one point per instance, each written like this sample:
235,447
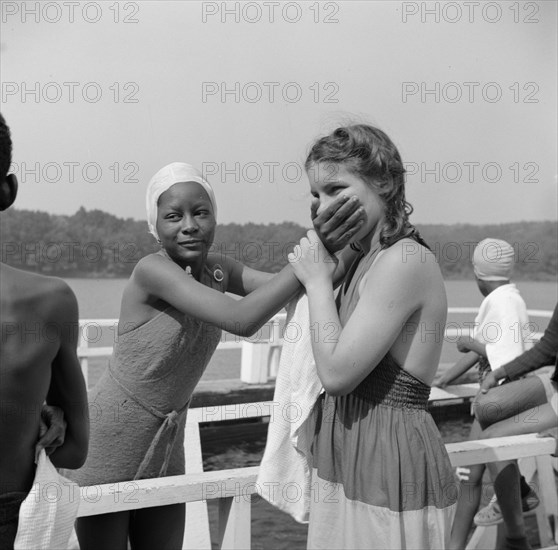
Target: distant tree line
93,243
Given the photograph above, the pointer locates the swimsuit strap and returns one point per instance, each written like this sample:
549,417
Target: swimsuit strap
169,425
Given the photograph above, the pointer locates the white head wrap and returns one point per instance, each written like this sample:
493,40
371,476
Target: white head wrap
166,177
493,260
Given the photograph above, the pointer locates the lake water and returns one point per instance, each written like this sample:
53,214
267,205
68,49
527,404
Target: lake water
271,528
100,299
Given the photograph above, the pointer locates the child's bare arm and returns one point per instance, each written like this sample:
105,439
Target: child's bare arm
67,387
461,367
466,344
478,348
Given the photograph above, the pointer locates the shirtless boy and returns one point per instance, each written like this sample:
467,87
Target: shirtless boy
38,364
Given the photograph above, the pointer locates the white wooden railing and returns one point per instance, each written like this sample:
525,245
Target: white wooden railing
259,355
234,488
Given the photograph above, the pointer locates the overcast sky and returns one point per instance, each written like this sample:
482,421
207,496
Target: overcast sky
100,95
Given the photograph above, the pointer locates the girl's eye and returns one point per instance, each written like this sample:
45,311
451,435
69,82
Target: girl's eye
172,217
202,212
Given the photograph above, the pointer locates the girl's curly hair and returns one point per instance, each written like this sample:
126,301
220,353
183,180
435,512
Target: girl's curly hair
369,153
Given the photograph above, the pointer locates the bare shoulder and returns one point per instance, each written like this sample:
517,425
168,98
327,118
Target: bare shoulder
409,259
57,297
37,292
148,267
148,262
409,270
57,286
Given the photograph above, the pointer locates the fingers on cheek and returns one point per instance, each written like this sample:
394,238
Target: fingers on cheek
345,211
326,229
335,237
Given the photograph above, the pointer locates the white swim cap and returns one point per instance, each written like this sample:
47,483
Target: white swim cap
166,177
493,260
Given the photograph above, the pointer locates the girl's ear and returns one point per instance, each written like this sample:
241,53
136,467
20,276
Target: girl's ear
8,191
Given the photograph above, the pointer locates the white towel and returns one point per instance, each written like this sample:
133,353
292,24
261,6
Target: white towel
284,478
47,515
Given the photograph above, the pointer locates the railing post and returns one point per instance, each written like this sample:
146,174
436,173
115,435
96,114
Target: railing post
253,365
196,529
234,523
275,349
548,506
83,346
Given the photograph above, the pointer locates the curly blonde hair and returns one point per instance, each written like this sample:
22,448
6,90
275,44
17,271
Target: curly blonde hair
369,153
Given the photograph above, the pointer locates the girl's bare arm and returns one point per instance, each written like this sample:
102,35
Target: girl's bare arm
166,280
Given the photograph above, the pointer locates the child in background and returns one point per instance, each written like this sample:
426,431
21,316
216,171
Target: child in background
501,328
501,333
38,364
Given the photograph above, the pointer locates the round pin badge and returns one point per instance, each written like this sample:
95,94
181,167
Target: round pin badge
218,274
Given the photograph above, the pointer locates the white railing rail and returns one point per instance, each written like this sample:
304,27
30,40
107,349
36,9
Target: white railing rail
233,488
259,355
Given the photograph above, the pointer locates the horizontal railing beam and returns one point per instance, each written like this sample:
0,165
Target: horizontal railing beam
86,351
100,351
468,453
236,411
240,483
543,313
162,491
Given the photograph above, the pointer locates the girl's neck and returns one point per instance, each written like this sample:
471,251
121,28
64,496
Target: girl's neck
371,240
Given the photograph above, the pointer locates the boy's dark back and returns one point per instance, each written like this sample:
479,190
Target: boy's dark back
38,364
34,312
